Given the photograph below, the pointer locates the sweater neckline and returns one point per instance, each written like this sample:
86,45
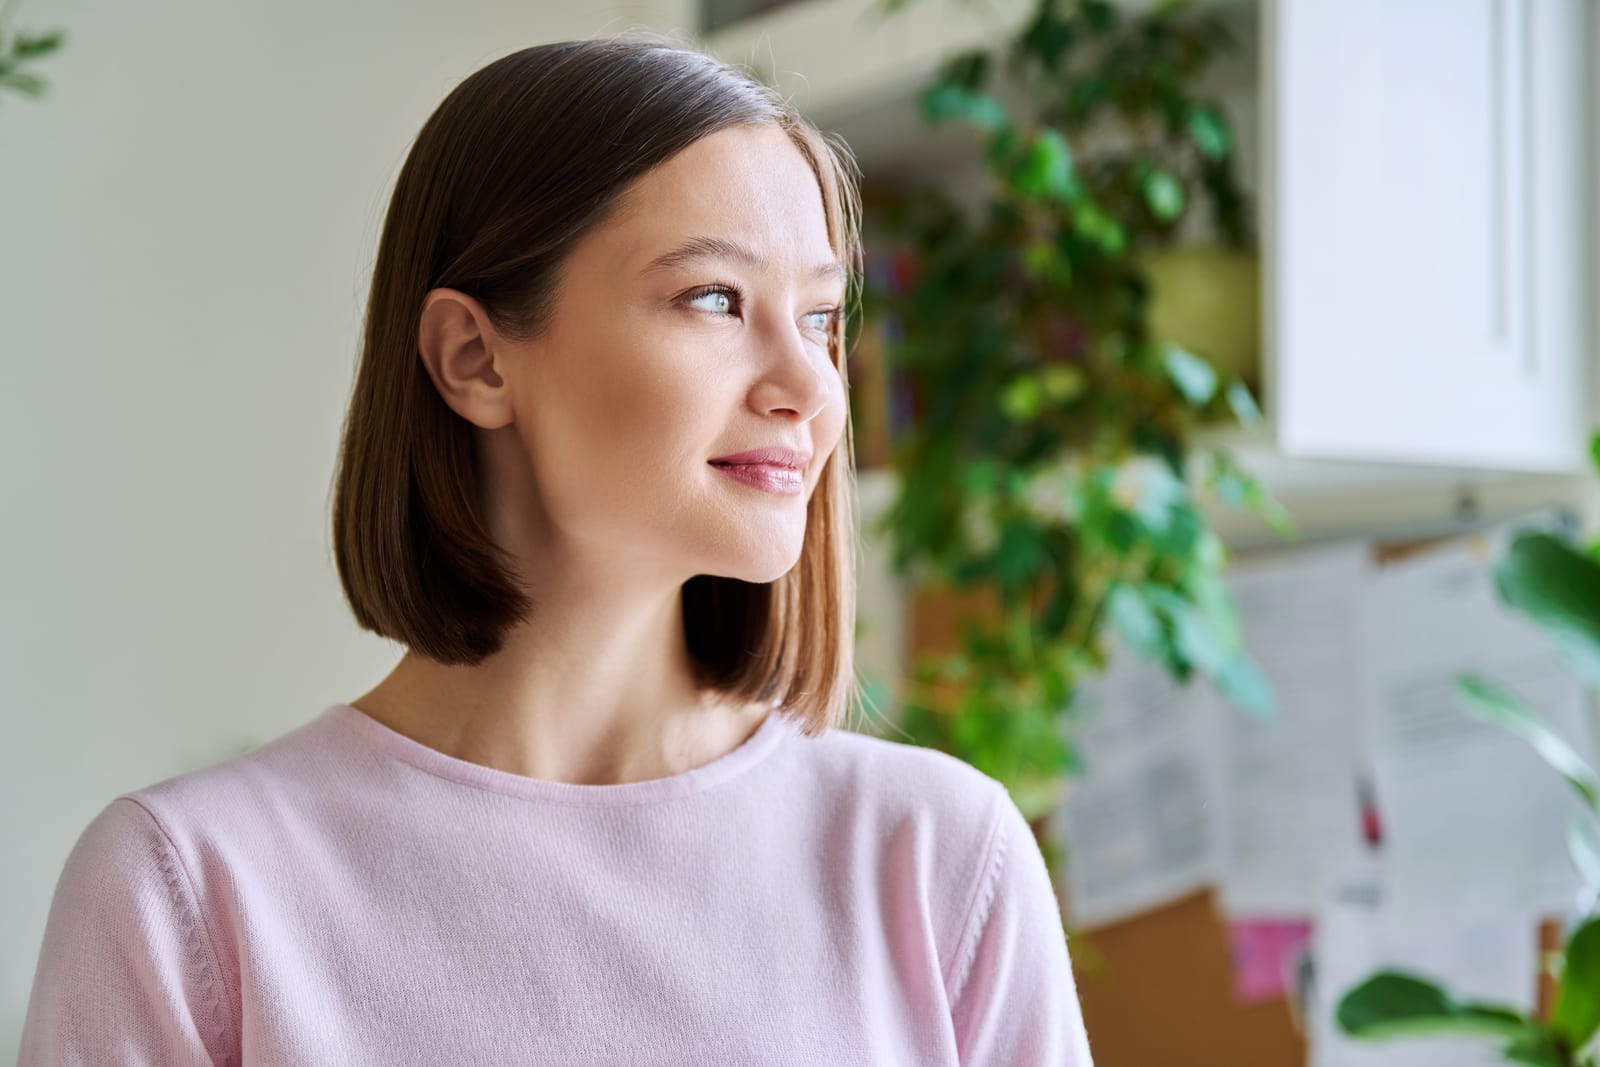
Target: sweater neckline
761,743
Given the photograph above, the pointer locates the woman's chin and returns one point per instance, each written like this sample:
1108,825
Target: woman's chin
762,568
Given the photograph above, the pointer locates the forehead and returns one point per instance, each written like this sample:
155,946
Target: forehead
751,185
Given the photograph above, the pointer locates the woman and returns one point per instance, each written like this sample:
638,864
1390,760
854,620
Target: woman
600,813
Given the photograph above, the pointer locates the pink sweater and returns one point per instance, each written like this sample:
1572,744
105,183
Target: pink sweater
344,895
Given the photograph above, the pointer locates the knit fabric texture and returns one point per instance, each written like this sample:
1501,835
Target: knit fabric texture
345,895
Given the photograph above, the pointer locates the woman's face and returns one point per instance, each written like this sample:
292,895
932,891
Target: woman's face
693,324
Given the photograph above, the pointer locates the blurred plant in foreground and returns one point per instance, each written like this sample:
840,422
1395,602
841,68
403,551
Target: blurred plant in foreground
18,49
1556,583
1054,467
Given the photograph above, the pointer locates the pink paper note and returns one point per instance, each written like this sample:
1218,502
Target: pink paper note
1264,953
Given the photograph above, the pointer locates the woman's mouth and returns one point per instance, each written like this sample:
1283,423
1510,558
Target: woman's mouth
765,476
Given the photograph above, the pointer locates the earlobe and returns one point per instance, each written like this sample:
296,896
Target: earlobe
456,344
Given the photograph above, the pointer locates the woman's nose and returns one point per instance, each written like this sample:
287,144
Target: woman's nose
798,372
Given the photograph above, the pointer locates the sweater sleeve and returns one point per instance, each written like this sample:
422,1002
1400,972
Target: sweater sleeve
1013,997
127,974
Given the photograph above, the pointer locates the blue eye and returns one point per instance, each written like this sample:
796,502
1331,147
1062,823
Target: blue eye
829,317
724,299
724,296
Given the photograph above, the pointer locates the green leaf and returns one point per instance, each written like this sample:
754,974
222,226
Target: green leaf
1207,131
1209,591
1020,553
1048,36
1243,404
28,46
1537,1049
1161,495
1193,376
1390,998
1211,553
1038,258
1137,624
978,475
1002,143
1164,193
1197,638
1488,703
1100,15
1085,94
1022,397
1584,847
1594,448
1095,225
1063,383
1558,587
1234,486
944,101
1242,682
969,69
1046,167
1577,1012
27,84
1182,534
1238,487
1394,1004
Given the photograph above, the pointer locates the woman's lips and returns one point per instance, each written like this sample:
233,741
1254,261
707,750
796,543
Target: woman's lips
767,476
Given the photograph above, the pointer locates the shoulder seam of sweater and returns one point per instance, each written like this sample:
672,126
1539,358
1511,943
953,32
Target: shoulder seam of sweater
983,894
202,948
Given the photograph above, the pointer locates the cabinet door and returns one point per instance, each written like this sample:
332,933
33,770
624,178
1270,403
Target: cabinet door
1424,229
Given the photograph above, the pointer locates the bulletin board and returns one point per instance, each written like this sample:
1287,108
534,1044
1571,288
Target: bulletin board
1158,988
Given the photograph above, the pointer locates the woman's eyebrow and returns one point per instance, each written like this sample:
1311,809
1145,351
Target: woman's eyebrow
698,248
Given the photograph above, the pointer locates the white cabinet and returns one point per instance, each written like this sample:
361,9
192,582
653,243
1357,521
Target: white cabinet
1424,186
1425,200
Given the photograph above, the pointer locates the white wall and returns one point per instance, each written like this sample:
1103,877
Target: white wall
187,225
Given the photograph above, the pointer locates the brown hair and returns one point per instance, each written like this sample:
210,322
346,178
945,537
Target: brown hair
521,160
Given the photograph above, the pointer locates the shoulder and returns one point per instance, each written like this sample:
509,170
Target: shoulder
235,798
924,828
131,948
899,779
122,844
926,810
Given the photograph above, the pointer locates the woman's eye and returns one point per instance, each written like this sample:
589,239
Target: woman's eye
827,318
720,300
725,300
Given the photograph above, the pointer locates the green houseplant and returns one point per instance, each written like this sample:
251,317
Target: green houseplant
19,50
1556,583
1054,464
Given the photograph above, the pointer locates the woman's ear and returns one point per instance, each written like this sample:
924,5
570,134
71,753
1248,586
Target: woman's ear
458,346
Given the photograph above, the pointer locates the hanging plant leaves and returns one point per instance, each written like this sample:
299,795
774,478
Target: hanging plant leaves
1045,170
1396,1004
946,101
1488,702
1022,398
1577,1013
1558,587
1208,132
19,48
1096,226
1583,844
1193,376
1133,619
1025,341
1164,193
1243,404
1242,682
1047,37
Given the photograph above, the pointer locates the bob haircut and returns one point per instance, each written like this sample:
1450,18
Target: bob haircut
517,164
